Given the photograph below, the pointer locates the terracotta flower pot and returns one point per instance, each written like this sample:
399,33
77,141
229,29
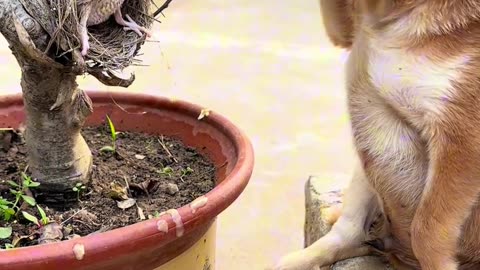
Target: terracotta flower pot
184,241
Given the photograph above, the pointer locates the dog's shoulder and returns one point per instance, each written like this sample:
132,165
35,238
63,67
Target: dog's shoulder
416,68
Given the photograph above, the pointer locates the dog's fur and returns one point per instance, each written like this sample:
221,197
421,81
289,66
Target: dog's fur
413,81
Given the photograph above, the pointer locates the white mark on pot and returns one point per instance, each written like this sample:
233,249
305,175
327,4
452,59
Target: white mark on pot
162,226
198,203
178,221
79,251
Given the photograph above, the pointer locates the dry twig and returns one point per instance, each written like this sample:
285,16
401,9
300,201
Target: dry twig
162,143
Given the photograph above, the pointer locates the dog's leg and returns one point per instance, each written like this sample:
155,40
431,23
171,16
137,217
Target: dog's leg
338,19
452,188
345,240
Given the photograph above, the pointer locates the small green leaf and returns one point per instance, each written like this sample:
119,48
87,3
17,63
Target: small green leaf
167,170
26,179
9,246
107,149
83,187
43,215
13,184
5,232
79,185
8,213
29,200
187,171
30,218
112,129
33,184
75,189
15,192
4,202
24,176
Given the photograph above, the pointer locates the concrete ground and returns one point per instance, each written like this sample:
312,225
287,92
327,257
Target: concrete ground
268,66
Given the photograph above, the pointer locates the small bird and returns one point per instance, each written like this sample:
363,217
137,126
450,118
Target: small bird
98,11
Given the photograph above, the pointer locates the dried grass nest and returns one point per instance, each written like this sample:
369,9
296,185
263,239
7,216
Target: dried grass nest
111,47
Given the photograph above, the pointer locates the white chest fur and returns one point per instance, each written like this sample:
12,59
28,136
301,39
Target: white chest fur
410,81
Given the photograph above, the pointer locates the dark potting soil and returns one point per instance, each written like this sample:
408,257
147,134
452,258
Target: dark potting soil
158,172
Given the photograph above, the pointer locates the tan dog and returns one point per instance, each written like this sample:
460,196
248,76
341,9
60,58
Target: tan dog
413,81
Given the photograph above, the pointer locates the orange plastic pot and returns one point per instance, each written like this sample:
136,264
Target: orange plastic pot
156,242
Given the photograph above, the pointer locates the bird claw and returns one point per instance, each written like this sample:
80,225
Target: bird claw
85,44
85,49
132,25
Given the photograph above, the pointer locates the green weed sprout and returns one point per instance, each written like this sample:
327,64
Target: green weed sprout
111,148
79,188
18,190
31,218
42,222
166,171
28,182
6,209
9,209
44,217
185,172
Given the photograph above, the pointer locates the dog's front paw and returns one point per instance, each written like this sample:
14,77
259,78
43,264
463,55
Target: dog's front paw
294,261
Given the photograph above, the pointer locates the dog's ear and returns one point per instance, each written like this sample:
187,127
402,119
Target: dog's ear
338,19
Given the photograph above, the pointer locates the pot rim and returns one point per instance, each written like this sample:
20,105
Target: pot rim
219,198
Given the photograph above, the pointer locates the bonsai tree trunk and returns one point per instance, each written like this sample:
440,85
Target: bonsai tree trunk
58,155
55,108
